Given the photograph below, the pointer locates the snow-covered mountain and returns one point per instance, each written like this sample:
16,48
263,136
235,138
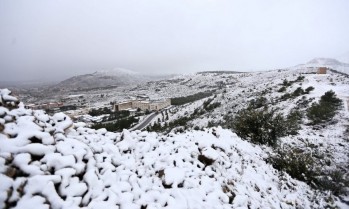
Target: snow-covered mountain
327,62
51,162
105,78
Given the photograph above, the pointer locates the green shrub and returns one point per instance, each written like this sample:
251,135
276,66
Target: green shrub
325,110
330,98
286,83
299,91
119,125
282,89
293,122
297,163
263,126
286,96
299,78
212,106
335,181
259,126
320,113
258,103
302,166
309,89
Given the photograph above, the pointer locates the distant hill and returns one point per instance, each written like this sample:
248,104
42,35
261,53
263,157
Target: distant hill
327,62
219,72
105,78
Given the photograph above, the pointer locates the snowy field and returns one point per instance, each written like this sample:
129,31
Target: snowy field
50,162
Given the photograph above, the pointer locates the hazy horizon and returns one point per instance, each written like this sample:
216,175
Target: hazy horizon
54,40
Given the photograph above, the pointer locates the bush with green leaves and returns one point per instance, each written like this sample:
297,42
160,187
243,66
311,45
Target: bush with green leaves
264,126
286,96
309,89
297,163
302,166
299,78
299,91
118,126
325,109
258,103
335,181
212,106
282,89
293,121
286,83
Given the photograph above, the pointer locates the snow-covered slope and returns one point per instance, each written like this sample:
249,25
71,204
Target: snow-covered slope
328,142
50,162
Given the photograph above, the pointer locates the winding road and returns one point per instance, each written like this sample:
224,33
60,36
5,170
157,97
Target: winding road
145,122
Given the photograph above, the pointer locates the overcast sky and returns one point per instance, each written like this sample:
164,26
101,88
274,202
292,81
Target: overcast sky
61,38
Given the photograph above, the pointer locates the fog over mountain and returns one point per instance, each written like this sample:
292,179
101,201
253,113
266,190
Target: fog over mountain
113,77
343,57
54,40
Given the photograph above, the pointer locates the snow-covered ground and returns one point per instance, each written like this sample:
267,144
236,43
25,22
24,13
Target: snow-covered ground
51,162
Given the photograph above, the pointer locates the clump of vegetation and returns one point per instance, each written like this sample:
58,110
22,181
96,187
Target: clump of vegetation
299,91
100,111
208,105
299,78
286,83
335,181
166,127
297,163
282,89
303,166
309,89
325,109
119,125
118,115
264,126
182,122
258,103
286,96
190,98
293,121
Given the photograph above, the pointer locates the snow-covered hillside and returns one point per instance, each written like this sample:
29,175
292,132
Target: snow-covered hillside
51,162
327,143
104,78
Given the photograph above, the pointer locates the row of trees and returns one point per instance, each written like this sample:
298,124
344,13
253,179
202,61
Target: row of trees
118,126
190,98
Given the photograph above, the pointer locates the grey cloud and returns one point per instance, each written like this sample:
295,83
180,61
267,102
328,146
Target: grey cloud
64,38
